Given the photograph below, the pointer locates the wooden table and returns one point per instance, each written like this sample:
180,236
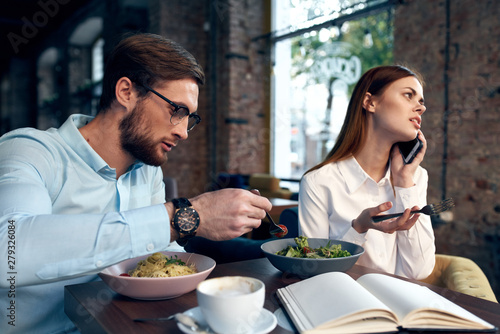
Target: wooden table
94,308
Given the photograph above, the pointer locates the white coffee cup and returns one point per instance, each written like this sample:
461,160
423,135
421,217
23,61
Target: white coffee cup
231,304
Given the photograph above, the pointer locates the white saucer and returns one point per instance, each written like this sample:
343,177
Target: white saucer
266,322
284,321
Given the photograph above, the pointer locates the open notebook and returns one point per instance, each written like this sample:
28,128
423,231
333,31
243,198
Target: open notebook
375,303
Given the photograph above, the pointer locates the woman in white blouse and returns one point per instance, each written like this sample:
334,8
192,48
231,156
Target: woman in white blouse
364,175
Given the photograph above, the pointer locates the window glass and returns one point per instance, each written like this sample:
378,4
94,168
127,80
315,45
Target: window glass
97,73
97,61
317,61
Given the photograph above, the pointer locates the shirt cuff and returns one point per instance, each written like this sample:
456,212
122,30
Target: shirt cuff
354,236
406,197
149,229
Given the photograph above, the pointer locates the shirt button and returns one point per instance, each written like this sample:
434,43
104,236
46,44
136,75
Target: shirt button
150,247
98,263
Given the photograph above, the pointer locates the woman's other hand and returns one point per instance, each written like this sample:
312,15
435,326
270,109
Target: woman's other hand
364,221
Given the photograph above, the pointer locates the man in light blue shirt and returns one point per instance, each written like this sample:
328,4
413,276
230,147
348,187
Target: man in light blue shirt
77,199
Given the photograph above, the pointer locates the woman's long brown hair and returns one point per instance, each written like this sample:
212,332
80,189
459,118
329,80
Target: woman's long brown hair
353,133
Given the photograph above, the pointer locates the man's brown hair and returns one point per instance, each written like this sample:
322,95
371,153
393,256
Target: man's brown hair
147,59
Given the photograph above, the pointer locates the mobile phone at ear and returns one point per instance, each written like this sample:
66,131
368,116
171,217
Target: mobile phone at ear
410,149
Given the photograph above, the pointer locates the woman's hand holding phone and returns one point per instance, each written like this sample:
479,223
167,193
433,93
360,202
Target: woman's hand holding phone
402,173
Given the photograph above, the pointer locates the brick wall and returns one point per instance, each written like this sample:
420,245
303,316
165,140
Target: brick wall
183,21
234,123
244,121
462,121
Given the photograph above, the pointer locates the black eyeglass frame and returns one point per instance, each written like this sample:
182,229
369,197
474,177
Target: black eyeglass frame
177,108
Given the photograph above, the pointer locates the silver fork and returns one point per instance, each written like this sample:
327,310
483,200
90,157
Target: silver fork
182,318
430,209
273,227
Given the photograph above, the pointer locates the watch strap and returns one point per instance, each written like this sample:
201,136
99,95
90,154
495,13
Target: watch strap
184,240
181,202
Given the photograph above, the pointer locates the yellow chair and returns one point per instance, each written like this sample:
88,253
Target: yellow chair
462,275
268,186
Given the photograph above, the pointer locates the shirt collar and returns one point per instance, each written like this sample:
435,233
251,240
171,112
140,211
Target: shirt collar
355,176
69,132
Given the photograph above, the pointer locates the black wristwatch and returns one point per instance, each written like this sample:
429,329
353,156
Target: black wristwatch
186,220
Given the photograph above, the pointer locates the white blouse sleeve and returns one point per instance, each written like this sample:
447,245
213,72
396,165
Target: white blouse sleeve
416,249
313,214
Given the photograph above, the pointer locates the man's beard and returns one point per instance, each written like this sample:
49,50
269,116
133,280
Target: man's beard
135,140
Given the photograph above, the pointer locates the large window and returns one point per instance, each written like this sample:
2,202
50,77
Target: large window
321,48
97,73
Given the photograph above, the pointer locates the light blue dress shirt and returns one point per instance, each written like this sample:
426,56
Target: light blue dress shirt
63,218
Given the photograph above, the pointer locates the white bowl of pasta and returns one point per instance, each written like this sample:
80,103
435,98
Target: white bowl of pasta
120,277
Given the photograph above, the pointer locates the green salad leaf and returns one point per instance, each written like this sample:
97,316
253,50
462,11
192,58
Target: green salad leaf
303,250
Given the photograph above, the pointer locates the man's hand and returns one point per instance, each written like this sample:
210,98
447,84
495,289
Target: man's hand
364,221
228,213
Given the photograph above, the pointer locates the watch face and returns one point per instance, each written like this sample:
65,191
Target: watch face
187,220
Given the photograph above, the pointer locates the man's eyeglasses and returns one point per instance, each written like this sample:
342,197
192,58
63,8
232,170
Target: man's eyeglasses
179,111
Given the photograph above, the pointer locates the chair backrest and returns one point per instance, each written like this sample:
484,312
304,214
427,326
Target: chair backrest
264,182
268,185
460,274
290,218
